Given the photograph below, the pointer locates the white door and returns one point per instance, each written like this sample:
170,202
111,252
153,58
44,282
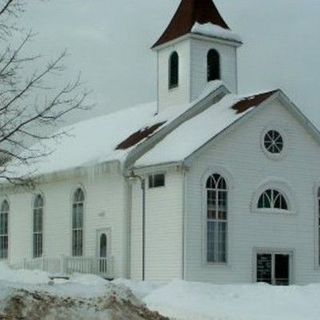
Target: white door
103,250
274,268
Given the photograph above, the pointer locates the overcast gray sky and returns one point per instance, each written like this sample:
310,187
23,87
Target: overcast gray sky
109,41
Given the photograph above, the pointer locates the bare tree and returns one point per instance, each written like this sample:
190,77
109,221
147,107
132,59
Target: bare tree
31,106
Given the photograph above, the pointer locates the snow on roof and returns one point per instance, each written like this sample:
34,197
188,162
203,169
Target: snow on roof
193,134
92,139
104,138
213,30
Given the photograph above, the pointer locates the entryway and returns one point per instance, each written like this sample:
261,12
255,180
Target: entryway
273,268
103,249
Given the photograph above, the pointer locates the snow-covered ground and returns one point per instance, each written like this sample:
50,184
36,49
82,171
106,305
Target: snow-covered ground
90,297
186,300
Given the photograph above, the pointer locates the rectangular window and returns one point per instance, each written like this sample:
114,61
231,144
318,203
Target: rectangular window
273,268
156,180
216,241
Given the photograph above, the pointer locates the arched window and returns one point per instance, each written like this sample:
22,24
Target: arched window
213,65
77,223
173,70
272,199
217,210
38,226
4,215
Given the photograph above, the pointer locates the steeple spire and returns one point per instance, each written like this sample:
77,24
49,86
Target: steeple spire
188,13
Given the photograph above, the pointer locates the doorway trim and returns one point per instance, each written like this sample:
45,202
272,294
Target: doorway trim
274,251
99,232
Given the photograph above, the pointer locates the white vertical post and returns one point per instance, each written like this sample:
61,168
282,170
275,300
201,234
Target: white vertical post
63,267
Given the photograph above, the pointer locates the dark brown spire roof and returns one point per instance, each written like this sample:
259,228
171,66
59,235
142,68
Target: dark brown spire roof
188,13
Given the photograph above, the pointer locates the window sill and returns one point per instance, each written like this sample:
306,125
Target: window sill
273,212
216,264
156,188
171,88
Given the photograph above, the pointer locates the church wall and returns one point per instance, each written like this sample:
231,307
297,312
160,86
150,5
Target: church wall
198,69
239,157
181,94
164,206
105,200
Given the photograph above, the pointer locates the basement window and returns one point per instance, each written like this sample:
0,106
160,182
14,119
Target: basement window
156,180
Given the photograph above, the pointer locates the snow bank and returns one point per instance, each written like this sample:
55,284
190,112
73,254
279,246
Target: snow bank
22,276
139,288
87,279
90,297
186,300
213,30
26,294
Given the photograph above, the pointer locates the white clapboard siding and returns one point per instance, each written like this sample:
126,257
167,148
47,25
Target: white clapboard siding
105,208
163,255
239,155
198,65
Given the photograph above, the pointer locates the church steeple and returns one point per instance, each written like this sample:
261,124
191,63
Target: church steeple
188,13
197,47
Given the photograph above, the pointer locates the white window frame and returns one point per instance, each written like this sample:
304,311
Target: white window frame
275,194
281,186
279,128
78,230
152,176
217,221
274,251
176,85
218,66
4,237
37,235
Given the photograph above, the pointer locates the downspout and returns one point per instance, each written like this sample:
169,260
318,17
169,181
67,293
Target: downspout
184,225
158,94
143,188
129,222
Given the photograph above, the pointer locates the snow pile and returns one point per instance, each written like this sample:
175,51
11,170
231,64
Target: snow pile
187,301
139,288
90,297
213,30
22,276
41,305
83,297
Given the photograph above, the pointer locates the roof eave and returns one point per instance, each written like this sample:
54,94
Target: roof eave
65,174
198,36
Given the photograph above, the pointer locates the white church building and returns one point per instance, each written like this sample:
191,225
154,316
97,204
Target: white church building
205,184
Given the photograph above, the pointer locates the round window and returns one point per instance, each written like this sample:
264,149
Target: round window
273,142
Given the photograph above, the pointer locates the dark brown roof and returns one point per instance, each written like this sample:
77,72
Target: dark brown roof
251,101
138,136
188,13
